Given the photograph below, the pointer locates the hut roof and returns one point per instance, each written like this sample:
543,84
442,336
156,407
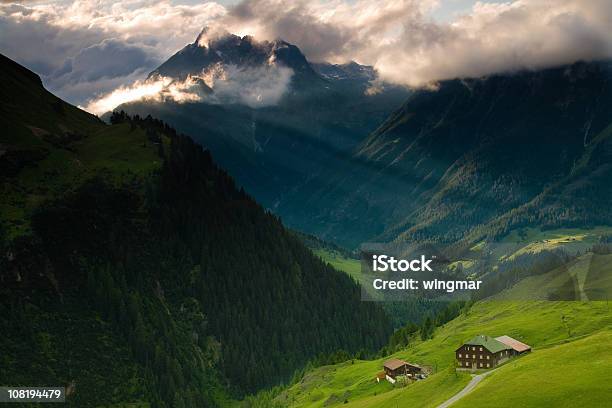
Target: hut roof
514,343
394,364
488,342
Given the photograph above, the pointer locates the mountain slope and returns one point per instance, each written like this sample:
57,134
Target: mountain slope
543,325
543,378
558,331
454,159
131,263
273,144
580,199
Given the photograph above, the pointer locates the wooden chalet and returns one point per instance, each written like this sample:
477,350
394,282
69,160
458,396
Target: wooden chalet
395,367
483,352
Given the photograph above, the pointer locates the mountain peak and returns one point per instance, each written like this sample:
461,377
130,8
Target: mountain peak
209,35
214,46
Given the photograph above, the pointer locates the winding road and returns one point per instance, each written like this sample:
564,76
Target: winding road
468,388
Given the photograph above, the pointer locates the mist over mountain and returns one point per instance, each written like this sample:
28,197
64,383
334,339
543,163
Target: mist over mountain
318,116
211,48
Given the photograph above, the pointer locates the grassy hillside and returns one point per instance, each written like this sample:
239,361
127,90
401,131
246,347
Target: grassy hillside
534,240
114,151
329,387
422,394
53,147
341,262
575,374
590,273
541,324
569,337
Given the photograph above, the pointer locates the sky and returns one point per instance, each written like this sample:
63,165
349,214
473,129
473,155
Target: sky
445,12
86,48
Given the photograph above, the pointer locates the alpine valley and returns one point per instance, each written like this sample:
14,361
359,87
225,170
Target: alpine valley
270,117
197,249
339,156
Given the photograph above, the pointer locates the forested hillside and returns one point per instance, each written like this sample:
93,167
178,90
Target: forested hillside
133,269
477,157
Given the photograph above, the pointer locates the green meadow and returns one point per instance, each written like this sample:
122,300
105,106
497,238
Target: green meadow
570,364
542,324
64,146
591,272
574,374
351,266
119,153
534,240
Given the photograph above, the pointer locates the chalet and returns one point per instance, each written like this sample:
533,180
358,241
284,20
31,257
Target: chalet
482,352
394,368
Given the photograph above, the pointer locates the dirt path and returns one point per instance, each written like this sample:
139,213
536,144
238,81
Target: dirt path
468,388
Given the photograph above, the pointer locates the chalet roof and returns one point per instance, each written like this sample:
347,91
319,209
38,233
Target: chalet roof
394,364
487,342
514,343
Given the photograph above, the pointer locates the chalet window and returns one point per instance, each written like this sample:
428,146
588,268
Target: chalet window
480,348
473,355
488,357
488,365
480,356
481,364
459,355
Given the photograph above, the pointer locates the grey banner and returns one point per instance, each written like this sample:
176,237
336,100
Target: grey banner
542,270
32,394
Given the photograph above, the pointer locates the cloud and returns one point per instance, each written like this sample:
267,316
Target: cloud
502,37
109,58
407,46
254,87
326,30
158,90
83,48
86,47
